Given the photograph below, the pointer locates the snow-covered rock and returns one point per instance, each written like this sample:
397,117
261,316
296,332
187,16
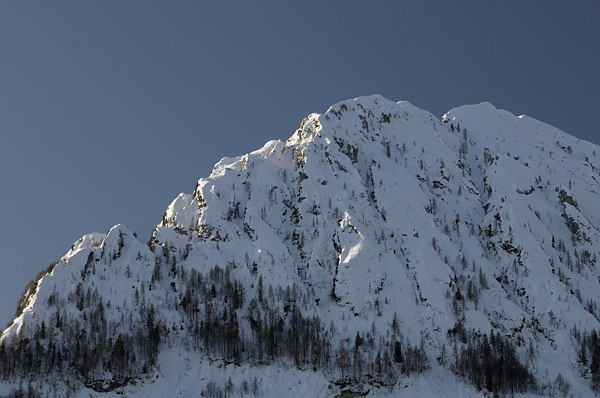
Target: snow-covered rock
369,252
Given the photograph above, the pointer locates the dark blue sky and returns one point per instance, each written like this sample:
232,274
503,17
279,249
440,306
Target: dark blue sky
109,109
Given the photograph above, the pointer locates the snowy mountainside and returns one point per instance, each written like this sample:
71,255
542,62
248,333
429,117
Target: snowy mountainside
378,250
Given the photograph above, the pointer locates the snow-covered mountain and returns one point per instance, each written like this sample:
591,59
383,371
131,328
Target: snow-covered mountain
377,252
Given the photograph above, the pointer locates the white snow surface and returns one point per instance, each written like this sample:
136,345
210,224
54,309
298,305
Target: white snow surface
375,208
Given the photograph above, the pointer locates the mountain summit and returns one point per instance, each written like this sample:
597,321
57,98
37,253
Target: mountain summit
377,252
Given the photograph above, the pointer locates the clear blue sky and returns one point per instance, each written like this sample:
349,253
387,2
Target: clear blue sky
109,109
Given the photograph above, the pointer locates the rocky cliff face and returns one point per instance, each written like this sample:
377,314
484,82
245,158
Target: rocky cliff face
377,250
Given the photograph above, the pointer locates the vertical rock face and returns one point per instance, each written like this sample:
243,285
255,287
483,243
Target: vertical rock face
378,247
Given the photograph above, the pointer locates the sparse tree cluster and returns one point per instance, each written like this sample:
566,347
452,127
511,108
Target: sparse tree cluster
491,363
216,320
588,355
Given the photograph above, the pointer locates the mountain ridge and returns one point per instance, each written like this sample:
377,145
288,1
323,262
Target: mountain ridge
407,233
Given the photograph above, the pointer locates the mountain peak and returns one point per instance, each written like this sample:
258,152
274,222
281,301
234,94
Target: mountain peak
377,246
